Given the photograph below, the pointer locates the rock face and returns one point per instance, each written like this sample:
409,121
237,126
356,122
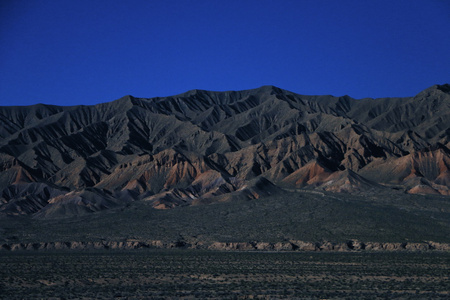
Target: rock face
202,147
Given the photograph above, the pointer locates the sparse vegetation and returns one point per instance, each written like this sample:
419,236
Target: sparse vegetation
201,274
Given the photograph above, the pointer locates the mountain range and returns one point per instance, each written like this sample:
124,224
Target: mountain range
203,147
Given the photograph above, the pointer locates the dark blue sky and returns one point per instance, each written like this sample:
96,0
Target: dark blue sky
89,51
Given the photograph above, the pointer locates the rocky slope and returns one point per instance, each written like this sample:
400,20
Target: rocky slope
202,147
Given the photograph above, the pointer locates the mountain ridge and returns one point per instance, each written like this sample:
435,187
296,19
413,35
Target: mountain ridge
203,147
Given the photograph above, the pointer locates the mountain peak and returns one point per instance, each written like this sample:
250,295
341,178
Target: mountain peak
271,89
437,88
